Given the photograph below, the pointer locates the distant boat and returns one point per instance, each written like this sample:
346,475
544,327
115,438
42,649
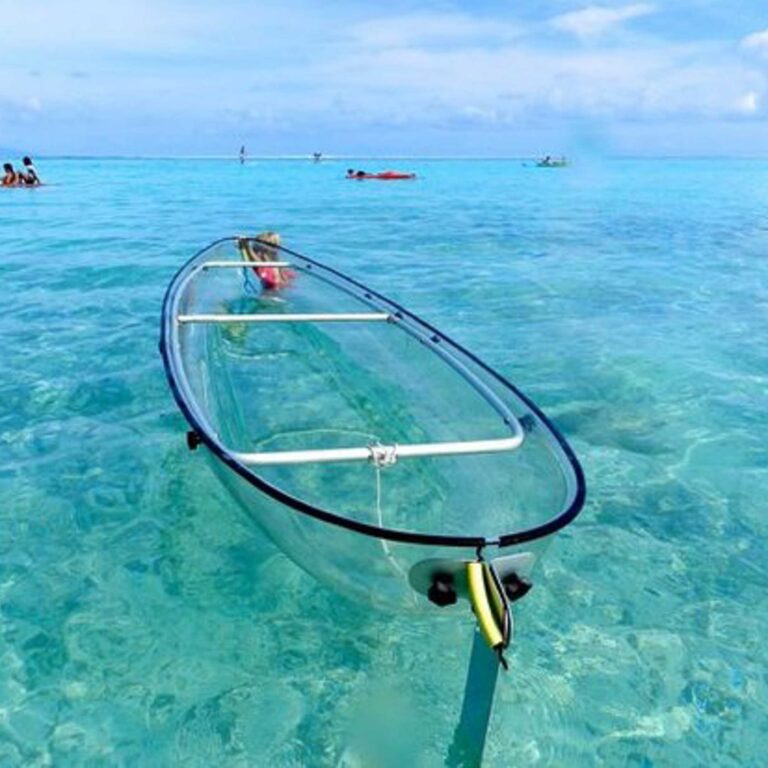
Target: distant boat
552,162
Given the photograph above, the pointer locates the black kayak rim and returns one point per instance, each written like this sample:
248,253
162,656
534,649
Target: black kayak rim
190,412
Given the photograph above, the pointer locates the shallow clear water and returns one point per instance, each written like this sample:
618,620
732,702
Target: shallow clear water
144,620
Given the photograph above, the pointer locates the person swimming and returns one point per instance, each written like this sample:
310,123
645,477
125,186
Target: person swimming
30,177
11,177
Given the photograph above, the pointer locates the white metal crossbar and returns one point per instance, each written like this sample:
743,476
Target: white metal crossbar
244,264
332,317
373,452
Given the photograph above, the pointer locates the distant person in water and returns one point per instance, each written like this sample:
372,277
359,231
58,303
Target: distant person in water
242,154
265,248
10,177
30,176
353,174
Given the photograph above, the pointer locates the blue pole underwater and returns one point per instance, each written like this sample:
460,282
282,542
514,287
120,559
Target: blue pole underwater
469,738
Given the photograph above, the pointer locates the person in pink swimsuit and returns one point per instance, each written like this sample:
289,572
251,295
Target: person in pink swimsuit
261,248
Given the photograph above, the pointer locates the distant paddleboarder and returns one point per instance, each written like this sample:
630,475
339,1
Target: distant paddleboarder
242,155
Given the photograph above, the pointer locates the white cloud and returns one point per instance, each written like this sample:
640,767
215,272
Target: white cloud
510,83
594,21
749,103
480,114
50,29
323,69
757,41
427,29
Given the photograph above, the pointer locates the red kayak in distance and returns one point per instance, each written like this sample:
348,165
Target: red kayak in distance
383,176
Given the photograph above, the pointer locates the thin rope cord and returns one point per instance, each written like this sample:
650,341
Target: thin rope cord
380,517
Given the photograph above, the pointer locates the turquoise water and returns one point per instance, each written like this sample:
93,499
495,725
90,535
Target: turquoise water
144,620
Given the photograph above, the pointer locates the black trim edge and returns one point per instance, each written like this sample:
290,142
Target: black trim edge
389,534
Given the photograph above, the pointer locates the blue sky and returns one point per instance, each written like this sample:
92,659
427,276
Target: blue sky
438,78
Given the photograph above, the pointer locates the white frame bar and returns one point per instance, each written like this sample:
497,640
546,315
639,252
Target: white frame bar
377,454
332,317
245,264
389,453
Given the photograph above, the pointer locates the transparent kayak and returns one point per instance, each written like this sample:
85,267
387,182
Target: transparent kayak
379,454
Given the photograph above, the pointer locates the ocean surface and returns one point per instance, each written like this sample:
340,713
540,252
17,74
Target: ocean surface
146,621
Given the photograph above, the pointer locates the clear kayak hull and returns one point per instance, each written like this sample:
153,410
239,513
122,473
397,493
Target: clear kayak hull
360,438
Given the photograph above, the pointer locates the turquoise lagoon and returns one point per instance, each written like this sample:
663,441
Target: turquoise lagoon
146,621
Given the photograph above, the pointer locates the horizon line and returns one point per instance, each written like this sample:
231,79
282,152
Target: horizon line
371,157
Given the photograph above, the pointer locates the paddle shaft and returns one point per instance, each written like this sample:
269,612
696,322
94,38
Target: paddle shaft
466,751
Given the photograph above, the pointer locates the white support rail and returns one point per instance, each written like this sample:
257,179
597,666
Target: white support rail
332,317
245,264
383,454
